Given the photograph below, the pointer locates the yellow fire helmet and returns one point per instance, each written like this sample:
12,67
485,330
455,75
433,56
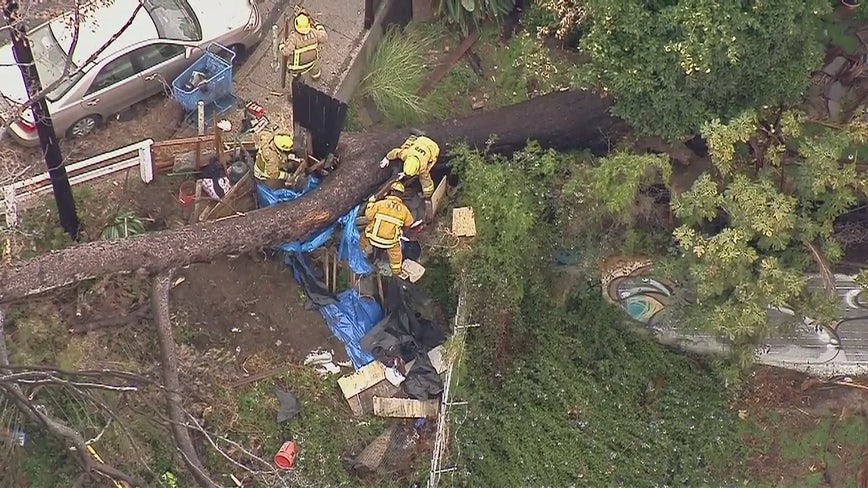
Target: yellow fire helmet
398,187
412,166
283,142
302,24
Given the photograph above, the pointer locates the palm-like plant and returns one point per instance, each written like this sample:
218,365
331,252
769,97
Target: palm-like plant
467,13
125,224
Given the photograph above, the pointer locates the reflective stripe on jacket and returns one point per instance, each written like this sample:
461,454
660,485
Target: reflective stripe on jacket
269,163
386,219
422,147
303,50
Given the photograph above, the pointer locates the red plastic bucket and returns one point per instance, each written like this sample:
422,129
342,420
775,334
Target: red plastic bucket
187,193
286,455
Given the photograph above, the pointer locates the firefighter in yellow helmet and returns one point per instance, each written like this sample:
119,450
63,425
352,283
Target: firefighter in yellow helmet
386,220
274,162
418,154
301,47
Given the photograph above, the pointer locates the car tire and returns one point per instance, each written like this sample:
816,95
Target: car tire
240,53
84,126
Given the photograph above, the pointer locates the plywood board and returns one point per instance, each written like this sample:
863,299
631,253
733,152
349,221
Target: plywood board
438,194
363,403
463,222
437,360
240,198
413,269
364,378
405,408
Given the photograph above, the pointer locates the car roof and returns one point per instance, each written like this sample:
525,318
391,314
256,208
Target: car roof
98,25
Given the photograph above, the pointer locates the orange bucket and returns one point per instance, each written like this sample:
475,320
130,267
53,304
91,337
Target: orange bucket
286,455
187,193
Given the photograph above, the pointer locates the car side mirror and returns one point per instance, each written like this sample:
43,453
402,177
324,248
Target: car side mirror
188,53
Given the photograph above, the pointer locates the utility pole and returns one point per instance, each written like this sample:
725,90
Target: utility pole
44,127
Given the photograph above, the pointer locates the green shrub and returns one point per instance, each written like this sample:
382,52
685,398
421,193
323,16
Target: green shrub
124,224
396,70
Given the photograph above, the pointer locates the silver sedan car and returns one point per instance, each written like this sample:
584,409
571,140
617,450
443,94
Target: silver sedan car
163,38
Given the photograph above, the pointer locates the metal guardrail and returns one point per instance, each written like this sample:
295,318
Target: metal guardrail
23,192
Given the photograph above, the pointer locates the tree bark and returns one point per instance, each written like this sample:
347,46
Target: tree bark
563,120
160,302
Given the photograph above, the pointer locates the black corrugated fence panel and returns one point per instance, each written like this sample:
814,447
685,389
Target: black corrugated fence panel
400,13
321,114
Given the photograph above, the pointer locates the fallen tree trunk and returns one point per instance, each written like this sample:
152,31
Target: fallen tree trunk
169,367
563,120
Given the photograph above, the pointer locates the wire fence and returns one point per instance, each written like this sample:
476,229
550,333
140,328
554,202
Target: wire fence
444,458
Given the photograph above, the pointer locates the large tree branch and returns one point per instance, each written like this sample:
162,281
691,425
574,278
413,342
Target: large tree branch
160,301
563,120
54,426
824,269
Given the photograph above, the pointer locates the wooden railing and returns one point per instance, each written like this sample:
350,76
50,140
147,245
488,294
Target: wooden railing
21,193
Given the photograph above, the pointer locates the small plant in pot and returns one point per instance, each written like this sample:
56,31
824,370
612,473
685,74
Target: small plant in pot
851,3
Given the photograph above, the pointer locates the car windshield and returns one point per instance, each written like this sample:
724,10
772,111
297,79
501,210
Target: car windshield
174,19
50,59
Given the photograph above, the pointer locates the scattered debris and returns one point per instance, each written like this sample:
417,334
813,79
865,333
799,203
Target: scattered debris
463,222
413,269
385,452
285,456
423,382
478,105
405,407
394,376
289,406
364,378
436,357
323,359
442,70
318,357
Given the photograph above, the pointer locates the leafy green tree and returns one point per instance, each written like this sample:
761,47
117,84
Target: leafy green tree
572,371
752,226
672,65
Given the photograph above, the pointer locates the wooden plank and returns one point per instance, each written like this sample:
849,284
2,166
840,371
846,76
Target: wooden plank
183,140
363,403
240,198
406,408
364,378
463,222
444,68
438,194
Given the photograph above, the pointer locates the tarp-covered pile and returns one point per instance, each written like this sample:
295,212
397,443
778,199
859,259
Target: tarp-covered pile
348,248
348,315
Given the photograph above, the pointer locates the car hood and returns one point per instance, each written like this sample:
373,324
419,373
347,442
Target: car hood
217,17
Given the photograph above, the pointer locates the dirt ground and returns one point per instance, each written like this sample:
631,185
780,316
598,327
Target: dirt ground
801,431
249,305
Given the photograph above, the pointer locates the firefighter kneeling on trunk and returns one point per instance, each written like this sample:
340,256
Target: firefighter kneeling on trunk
418,154
301,47
274,161
386,219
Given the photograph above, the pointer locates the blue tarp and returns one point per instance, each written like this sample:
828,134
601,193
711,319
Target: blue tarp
348,248
348,315
350,318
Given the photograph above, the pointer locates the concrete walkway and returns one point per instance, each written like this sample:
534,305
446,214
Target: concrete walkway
258,78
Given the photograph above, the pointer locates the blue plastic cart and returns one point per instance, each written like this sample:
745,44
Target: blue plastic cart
208,80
